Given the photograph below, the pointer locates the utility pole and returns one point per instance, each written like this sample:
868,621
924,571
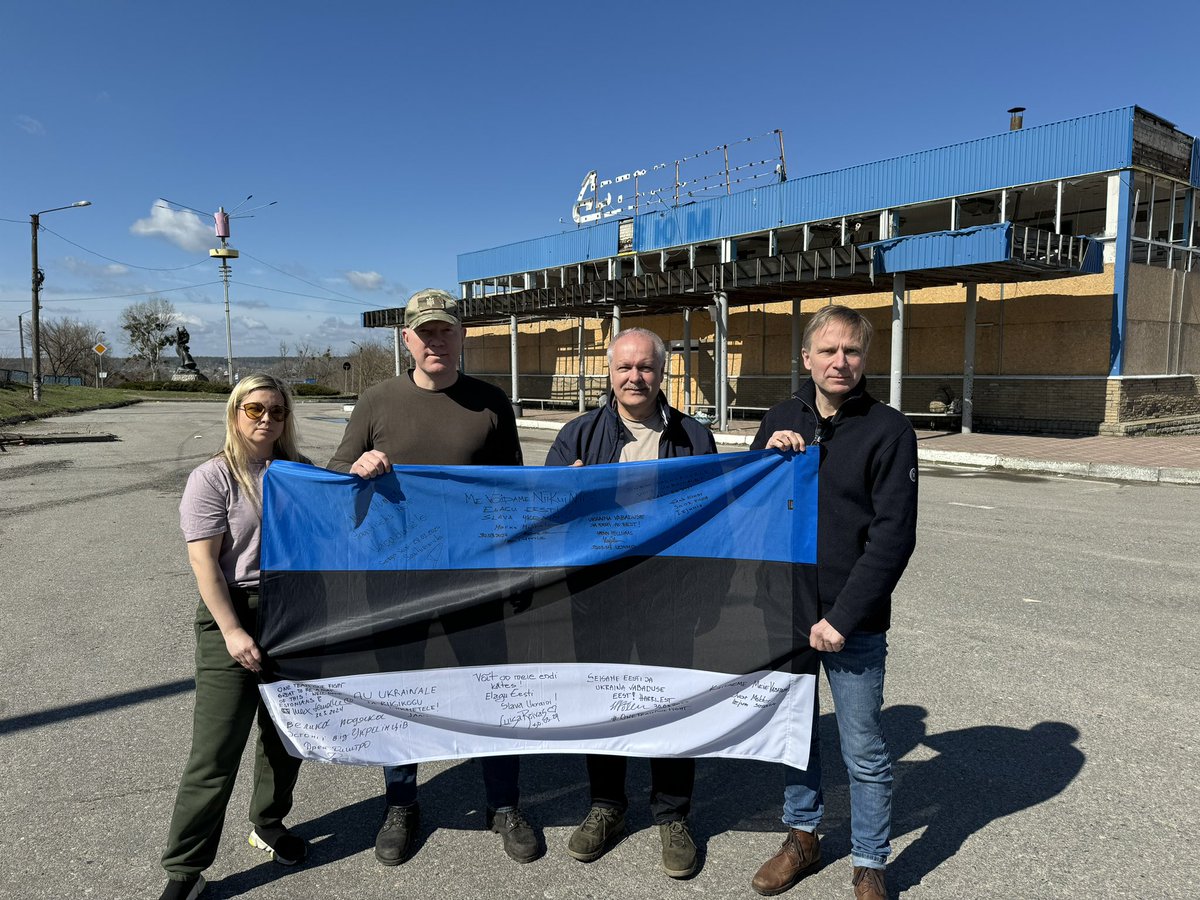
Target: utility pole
21,336
35,341
34,335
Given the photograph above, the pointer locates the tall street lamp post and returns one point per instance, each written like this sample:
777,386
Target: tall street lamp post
35,334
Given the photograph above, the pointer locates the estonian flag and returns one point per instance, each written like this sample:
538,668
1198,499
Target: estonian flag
644,609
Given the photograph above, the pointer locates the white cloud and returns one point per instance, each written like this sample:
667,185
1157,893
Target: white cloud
30,125
83,267
183,229
365,281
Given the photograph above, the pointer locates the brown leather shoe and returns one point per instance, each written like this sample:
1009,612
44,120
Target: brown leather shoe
868,884
799,855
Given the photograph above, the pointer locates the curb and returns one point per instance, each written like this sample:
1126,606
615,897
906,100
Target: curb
539,424
1102,471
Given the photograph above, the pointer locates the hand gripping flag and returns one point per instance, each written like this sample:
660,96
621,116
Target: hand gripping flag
644,609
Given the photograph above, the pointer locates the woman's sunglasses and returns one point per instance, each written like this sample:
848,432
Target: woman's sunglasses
255,411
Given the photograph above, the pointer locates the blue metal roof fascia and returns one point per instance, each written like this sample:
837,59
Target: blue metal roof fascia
1095,143
565,249
703,221
1100,142
976,246
1195,179
943,249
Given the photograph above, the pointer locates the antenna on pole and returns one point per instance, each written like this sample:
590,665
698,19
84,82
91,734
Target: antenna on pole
225,253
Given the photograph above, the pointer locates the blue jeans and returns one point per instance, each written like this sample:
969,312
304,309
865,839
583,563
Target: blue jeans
856,681
500,775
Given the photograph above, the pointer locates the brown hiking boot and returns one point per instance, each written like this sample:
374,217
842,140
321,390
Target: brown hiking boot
799,855
868,884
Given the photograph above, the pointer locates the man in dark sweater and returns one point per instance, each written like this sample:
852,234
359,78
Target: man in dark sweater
866,532
436,415
633,423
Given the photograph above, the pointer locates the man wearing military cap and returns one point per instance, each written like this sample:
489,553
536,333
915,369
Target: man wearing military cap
436,415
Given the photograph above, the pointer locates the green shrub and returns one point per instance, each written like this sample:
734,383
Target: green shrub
185,387
314,390
220,387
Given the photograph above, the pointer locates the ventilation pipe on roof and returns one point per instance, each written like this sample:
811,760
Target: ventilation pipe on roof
1016,120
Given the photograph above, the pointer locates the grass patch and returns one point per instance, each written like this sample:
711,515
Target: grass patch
16,400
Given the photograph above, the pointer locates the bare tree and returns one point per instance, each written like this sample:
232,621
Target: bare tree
323,367
150,326
371,362
68,346
285,368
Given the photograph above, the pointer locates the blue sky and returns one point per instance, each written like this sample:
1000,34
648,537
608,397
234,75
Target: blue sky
394,136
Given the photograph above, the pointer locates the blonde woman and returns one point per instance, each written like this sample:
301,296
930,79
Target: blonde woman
221,518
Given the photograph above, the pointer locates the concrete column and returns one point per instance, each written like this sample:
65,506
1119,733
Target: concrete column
1058,200
396,347
897,385
1112,215
687,361
797,361
968,389
581,382
616,321
722,359
1189,219
514,367
1121,263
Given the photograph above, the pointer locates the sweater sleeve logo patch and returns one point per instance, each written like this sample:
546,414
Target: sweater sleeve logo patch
912,475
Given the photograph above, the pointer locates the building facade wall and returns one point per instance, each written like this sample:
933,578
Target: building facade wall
1042,351
1163,316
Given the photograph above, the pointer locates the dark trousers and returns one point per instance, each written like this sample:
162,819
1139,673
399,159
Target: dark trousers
500,774
671,782
476,636
227,703
609,626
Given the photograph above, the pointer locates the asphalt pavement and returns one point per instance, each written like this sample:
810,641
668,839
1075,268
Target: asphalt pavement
1039,702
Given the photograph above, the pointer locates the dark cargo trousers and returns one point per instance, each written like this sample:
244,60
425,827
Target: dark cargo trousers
227,703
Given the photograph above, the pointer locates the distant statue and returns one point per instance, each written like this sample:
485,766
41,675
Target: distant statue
181,348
